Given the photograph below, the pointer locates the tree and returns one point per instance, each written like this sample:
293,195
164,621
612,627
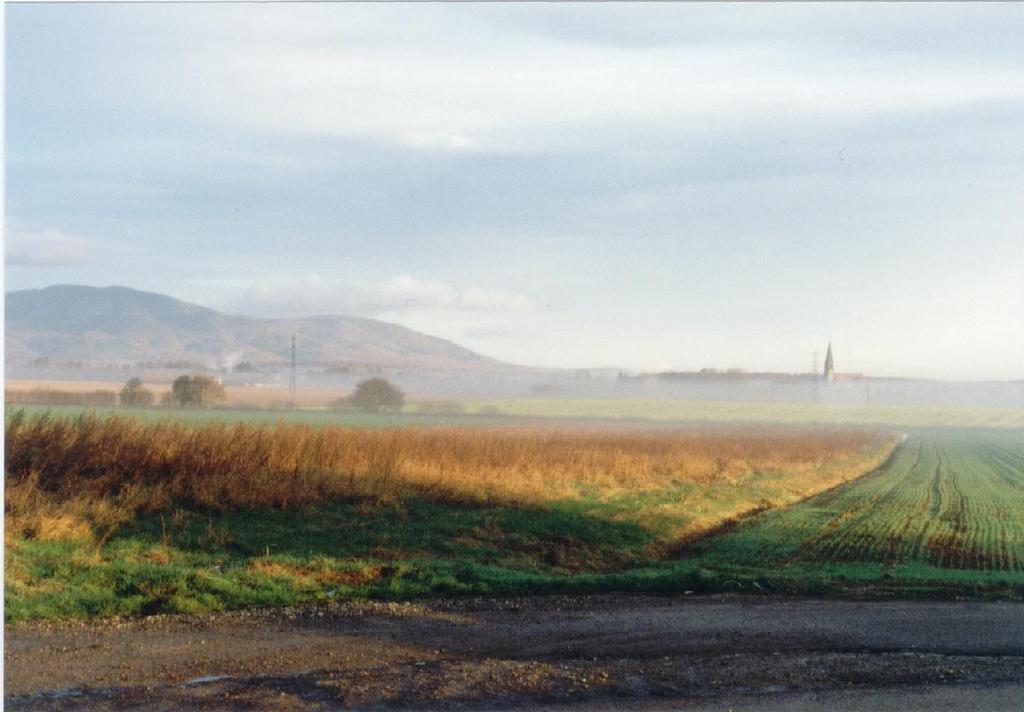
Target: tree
375,394
135,395
195,389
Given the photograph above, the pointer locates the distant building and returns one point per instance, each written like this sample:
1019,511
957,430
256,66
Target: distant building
830,366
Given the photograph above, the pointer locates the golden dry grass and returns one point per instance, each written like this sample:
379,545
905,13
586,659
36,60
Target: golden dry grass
68,475
319,574
29,384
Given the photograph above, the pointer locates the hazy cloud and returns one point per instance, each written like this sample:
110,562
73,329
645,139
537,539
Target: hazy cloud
490,332
499,101
318,295
43,247
517,79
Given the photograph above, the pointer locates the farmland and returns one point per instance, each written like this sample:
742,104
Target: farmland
901,416
947,508
646,413
311,417
133,515
119,515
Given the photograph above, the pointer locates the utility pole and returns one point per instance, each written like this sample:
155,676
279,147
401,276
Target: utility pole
291,381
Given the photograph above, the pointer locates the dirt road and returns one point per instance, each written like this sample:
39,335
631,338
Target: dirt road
595,653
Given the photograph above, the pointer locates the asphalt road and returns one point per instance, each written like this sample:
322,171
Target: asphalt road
565,653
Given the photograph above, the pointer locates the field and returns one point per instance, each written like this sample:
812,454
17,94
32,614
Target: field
255,404
238,396
650,414
313,417
900,416
131,515
947,508
118,515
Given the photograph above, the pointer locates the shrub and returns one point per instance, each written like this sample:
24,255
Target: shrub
195,389
376,394
135,395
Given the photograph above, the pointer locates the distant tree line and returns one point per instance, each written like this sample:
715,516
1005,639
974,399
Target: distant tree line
372,395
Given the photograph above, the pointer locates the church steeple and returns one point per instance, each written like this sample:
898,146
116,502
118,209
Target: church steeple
830,366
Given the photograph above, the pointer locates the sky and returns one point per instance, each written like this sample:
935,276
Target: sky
592,185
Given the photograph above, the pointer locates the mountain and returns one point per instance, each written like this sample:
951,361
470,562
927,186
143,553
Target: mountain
107,325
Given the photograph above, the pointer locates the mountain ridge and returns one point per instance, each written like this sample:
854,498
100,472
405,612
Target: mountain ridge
117,324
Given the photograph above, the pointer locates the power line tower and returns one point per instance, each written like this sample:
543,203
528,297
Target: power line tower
291,380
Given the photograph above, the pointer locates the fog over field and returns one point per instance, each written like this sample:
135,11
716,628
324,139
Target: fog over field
81,338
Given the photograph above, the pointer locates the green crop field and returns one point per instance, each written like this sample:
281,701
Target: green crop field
651,413
901,416
949,507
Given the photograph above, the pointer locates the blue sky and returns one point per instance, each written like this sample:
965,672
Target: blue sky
641,186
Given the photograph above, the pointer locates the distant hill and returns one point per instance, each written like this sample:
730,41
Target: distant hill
115,324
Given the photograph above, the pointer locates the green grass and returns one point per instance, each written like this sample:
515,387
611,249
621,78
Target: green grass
650,412
204,561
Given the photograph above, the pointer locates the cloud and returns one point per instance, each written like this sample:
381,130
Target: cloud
498,101
489,332
43,247
458,81
403,294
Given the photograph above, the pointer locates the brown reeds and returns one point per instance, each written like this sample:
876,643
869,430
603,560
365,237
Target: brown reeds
102,470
